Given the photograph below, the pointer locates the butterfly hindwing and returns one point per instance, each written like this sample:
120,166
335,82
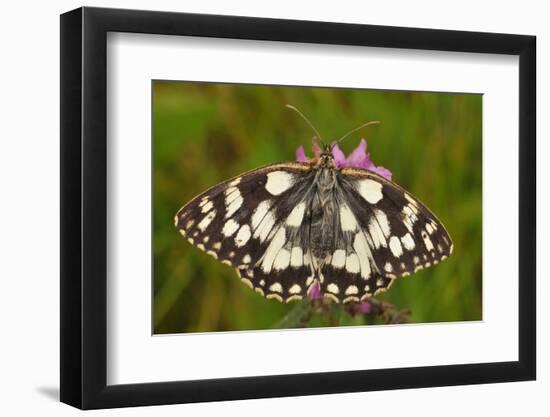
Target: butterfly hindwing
350,272
284,270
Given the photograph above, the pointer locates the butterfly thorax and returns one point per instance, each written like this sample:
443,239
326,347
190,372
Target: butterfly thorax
323,211
325,177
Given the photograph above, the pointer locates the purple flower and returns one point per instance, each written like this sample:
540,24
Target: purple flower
358,158
365,307
301,154
315,291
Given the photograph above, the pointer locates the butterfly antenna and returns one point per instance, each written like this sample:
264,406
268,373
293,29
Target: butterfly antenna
307,121
375,122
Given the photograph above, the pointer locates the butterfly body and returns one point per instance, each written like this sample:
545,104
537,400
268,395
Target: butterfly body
291,226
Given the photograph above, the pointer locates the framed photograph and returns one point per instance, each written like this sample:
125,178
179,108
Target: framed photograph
258,208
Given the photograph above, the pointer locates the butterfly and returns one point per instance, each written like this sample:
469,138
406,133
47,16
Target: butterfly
290,227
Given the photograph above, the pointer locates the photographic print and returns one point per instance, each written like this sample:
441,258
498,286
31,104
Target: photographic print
333,181
278,207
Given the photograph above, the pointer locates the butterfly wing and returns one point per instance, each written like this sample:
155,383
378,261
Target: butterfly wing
384,233
254,222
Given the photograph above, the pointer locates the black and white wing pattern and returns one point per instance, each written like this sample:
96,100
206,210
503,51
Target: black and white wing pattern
255,223
289,226
383,233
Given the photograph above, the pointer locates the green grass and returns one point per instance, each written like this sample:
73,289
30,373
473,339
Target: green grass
205,133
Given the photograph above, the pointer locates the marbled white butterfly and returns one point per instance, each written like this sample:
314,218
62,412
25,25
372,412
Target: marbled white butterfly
288,227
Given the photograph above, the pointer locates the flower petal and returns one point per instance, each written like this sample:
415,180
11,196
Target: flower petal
358,157
315,291
339,156
384,172
316,148
301,155
365,307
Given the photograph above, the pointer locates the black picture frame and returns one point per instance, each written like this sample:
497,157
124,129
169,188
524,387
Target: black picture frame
84,207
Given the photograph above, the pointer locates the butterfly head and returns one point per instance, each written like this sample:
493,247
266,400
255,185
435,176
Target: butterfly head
326,159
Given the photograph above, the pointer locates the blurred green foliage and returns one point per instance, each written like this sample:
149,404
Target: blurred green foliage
204,133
